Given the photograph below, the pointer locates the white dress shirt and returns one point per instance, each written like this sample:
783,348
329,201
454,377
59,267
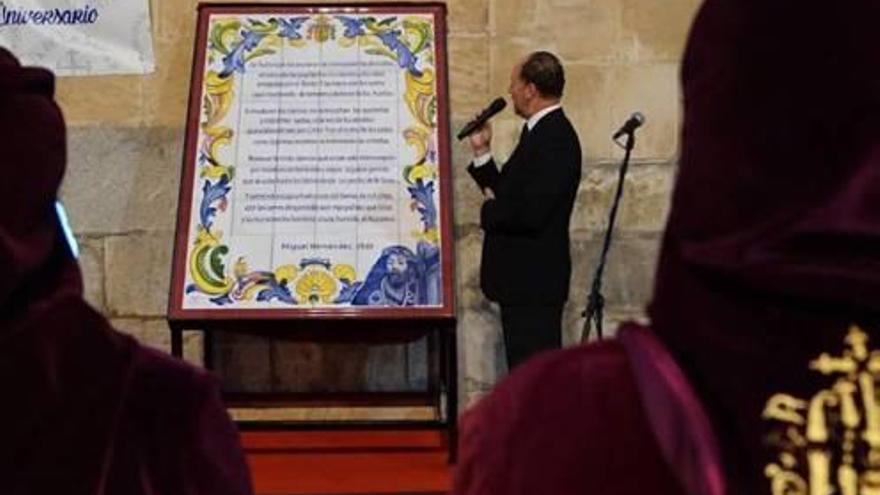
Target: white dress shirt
485,158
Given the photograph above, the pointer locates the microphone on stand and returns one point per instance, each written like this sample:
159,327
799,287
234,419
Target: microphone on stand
496,106
634,122
595,300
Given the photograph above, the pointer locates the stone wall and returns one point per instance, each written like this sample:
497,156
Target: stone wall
126,135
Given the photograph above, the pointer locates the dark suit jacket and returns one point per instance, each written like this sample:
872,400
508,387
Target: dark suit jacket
526,258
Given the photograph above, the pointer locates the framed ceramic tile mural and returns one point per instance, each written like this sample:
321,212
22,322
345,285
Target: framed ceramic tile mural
316,179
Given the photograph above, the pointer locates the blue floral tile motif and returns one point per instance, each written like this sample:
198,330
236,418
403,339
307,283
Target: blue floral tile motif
354,26
213,193
290,27
235,60
386,33
422,194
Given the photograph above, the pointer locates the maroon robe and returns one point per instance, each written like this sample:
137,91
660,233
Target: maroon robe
771,254
614,418
86,410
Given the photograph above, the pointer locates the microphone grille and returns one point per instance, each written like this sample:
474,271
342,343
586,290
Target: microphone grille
638,117
498,104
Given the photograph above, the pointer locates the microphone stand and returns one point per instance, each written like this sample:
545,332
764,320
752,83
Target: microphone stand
596,301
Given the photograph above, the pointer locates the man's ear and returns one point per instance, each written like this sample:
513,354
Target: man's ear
532,90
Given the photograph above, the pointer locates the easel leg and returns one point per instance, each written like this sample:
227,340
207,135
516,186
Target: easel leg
451,377
177,342
208,349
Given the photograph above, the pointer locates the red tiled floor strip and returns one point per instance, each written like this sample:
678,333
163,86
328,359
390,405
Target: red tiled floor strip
348,462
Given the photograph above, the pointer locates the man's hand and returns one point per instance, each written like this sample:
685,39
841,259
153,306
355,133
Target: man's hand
488,193
481,140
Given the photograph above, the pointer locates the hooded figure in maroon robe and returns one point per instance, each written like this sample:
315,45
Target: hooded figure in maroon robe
85,409
758,374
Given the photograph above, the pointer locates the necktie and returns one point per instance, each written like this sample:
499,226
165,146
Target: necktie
522,139
525,133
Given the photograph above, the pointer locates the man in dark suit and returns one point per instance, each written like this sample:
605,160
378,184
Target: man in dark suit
526,263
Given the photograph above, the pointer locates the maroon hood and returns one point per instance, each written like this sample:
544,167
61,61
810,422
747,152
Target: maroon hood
772,247
59,360
33,259
89,411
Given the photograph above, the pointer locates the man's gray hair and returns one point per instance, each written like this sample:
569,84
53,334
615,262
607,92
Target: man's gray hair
544,70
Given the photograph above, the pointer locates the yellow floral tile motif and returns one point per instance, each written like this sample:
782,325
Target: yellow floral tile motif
316,285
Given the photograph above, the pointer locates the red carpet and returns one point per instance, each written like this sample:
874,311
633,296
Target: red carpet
361,462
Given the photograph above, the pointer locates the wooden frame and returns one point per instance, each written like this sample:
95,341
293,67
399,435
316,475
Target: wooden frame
176,310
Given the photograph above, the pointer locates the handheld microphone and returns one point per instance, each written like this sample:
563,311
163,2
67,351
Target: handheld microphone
496,106
634,122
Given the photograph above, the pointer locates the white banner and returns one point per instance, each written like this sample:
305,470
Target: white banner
79,37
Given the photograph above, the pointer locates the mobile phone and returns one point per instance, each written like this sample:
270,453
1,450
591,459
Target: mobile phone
64,222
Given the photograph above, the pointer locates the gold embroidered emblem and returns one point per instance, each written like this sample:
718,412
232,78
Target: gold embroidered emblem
830,444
